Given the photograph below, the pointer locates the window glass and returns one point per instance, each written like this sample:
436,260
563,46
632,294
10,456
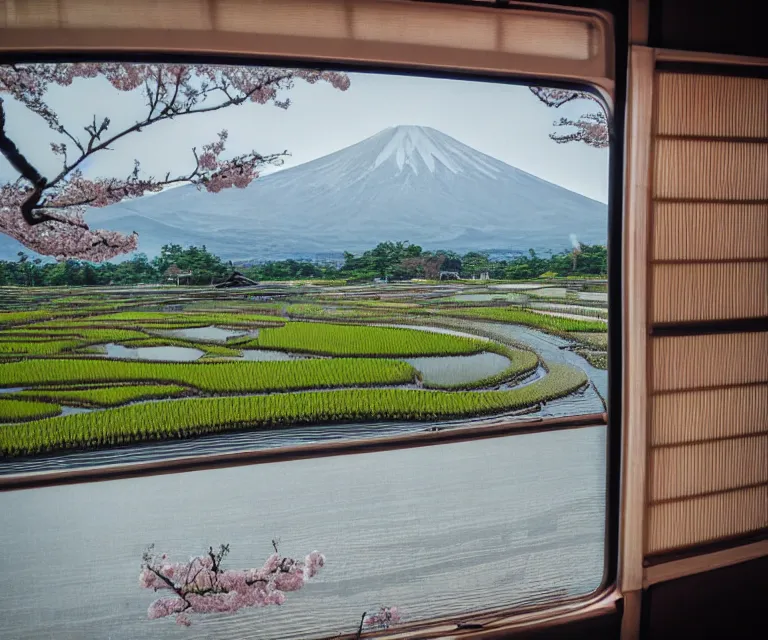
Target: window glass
435,531
202,259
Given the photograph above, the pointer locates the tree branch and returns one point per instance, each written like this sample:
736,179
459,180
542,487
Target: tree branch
160,117
360,628
25,168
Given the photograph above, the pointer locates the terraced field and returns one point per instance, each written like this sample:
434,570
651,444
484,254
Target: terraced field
92,369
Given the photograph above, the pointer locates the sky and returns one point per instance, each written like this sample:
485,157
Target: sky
504,121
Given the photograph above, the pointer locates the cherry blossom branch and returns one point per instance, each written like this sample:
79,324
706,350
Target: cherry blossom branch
384,618
591,128
171,91
17,160
201,586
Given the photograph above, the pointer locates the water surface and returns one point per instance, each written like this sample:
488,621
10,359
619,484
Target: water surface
170,354
435,531
216,334
452,370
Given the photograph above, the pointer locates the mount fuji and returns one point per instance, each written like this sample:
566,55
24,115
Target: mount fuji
404,183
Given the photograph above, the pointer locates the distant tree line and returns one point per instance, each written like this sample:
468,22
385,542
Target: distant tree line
392,260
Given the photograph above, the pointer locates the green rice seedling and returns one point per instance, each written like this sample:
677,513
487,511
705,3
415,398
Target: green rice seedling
219,377
8,318
194,417
354,340
93,323
512,315
598,359
316,312
575,309
227,319
596,340
84,334
36,347
102,396
234,305
12,410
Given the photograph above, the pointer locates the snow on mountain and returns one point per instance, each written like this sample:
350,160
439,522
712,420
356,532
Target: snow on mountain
404,183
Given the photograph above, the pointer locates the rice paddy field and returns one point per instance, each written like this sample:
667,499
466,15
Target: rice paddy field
96,369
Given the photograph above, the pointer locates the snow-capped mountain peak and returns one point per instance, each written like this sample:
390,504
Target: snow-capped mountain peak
403,183
417,148
407,144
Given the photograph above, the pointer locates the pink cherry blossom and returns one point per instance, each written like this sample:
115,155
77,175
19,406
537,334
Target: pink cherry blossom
45,213
201,586
313,563
384,618
590,128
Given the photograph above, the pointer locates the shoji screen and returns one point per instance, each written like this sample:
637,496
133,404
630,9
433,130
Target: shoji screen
707,474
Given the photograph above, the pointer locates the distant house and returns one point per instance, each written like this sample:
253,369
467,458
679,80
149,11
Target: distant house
174,274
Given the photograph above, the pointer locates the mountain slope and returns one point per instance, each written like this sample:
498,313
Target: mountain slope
404,183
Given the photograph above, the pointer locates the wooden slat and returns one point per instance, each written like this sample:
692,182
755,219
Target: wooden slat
707,170
692,416
707,562
635,393
672,525
704,231
707,105
694,469
691,292
690,362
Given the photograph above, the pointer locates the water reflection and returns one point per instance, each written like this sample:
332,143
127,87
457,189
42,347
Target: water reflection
170,354
454,370
215,334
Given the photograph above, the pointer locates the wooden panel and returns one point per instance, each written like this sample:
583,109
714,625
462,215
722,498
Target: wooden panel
635,286
690,292
706,231
702,415
694,469
709,170
699,520
542,34
702,105
705,563
689,362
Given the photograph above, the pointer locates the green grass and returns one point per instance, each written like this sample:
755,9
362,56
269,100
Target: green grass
510,315
12,410
221,377
103,396
197,416
353,340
